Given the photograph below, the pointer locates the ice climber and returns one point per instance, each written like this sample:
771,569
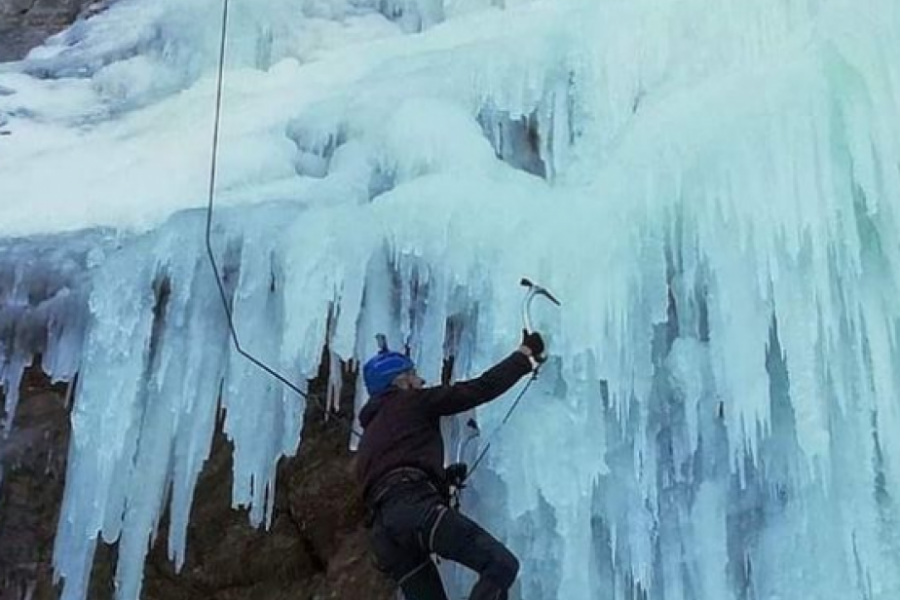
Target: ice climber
406,486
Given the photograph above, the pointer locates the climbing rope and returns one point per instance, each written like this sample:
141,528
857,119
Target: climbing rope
506,418
220,78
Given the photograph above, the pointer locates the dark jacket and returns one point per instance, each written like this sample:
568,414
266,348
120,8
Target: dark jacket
402,427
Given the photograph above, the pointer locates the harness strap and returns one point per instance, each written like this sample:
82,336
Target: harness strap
386,483
415,570
442,512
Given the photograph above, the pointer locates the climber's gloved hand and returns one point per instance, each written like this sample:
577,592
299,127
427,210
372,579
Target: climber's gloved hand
456,474
533,345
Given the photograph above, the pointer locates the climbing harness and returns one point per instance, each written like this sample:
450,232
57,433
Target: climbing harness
534,291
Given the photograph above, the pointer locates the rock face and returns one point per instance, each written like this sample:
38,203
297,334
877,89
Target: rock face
33,461
316,548
26,23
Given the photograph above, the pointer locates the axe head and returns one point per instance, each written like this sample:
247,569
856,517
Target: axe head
381,340
533,290
538,290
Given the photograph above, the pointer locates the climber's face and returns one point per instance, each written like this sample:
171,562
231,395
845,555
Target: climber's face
409,381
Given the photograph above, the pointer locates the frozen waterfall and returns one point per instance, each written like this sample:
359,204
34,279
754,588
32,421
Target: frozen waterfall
712,188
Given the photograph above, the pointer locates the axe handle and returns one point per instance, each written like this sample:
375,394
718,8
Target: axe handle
526,309
381,340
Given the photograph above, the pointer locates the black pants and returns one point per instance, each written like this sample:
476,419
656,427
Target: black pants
414,521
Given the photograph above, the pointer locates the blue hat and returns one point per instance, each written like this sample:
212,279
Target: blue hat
379,372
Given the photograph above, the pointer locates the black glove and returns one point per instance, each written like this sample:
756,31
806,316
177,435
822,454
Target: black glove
534,342
456,474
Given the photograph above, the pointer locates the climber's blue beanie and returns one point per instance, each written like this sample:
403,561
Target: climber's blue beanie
379,372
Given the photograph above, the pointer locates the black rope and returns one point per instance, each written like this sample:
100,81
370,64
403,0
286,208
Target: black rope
209,213
506,418
220,78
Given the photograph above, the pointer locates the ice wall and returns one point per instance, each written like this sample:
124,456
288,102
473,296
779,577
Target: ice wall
157,320
44,283
711,188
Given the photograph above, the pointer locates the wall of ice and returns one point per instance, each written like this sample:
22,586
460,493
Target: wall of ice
711,188
44,286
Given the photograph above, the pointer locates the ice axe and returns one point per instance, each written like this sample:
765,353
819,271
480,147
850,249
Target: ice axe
472,432
534,290
381,340
458,472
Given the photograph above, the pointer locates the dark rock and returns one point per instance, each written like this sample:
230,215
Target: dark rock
25,24
33,460
316,548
